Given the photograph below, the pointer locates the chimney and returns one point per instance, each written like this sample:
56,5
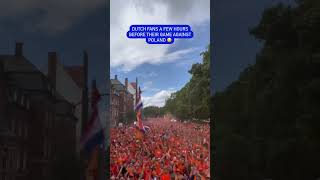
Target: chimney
52,67
126,83
115,77
19,49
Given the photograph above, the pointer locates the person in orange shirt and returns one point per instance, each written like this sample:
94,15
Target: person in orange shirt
165,175
158,170
147,174
130,171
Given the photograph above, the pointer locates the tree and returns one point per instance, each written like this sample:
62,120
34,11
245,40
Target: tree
193,100
152,111
272,110
129,117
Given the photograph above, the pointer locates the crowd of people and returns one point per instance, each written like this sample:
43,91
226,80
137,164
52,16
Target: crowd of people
169,150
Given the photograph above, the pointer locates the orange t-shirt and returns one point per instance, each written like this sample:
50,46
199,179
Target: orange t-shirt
165,177
147,174
180,168
158,171
130,171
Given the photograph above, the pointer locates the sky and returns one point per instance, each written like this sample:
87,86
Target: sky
67,27
233,48
161,69
70,26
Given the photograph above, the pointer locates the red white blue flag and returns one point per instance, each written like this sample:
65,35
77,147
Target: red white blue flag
93,135
138,109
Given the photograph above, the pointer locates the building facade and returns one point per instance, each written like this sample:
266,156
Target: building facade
115,106
122,101
35,120
69,83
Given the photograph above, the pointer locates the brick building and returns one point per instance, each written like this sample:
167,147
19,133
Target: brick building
68,82
30,107
115,104
122,101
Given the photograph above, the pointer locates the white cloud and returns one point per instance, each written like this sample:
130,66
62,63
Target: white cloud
152,74
51,16
154,89
186,62
147,75
172,89
158,99
147,85
130,53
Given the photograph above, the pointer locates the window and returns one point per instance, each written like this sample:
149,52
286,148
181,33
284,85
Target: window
46,147
47,121
20,167
4,162
45,150
13,125
24,160
25,131
9,94
10,162
17,160
52,117
4,123
20,127
48,150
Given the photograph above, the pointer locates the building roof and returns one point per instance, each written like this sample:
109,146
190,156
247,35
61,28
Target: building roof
133,84
17,64
25,76
116,84
76,73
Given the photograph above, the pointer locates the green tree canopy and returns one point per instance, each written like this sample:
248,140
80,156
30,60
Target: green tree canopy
272,110
193,100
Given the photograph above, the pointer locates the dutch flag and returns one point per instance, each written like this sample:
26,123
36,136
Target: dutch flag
138,109
93,135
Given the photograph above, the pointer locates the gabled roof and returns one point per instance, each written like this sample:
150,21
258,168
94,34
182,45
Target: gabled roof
115,81
76,73
116,84
133,84
24,74
17,64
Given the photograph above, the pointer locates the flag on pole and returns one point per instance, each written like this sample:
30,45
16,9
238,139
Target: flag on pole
93,135
138,110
